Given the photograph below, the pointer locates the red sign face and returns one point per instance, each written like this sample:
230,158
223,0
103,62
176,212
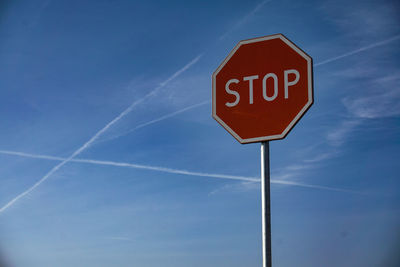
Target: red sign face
262,88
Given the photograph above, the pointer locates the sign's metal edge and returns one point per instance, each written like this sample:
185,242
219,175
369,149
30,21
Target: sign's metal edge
296,118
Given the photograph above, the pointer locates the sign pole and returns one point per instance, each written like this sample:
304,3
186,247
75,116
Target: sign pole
255,116
266,205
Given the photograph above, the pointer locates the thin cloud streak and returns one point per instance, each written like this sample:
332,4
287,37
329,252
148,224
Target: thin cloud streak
129,109
177,171
153,92
179,72
321,157
339,135
362,49
98,134
223,36
166,170
202,103
119,117
316,186
44,178
374,45
244,19
383,103
133,165
28,155
164,117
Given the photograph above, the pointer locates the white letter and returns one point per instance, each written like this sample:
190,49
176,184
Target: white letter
287,83
229,91
250,79
265,86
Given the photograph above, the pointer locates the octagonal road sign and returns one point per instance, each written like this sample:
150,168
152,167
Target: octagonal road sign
262,89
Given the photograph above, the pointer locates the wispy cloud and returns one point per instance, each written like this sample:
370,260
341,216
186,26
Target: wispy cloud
383,102
98,134
114,121
164,117
356,106
236,188
134,166
316,187
339,135
176,171
179,72
336,138
321,157
154,92
167,116
249,186
378,98
293,171
244,19
44,178
364,19
362,49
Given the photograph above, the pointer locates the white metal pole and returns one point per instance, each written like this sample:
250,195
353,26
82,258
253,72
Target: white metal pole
266,205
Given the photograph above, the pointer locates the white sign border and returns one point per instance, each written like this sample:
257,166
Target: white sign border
298,116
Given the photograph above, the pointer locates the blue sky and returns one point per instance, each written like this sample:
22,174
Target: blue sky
109,155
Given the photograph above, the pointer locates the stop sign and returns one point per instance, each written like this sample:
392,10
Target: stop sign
262,88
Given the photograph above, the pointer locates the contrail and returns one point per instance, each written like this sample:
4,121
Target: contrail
119,117
179,72
164,117
205,102
105,128
387,41
284,182
167,170
176,171
129,109
28,155
223,36
244,19
132,165
384,42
